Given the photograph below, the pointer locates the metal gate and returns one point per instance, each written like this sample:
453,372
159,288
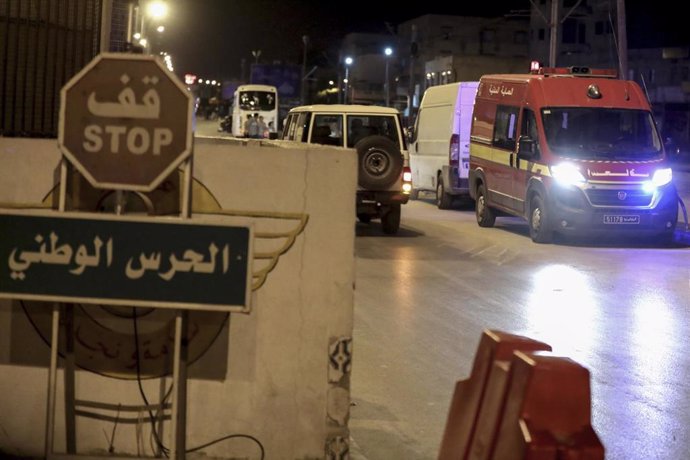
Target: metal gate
43,43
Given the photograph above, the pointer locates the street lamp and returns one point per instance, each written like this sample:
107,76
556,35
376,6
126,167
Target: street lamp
305,40
157,10
348,63
152,12
388,51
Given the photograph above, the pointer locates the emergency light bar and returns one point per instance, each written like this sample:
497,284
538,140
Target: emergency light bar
574,70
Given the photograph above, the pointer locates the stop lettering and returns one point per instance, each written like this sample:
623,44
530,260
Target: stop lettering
136,140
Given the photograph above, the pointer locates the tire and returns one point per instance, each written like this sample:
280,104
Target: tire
390,221
485,215
443,199
539,225
380,162
414,194
364,218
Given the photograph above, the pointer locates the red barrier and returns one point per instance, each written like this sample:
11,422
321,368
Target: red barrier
547,414
471,397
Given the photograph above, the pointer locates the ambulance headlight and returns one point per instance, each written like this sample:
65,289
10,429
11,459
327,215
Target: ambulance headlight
660,178
567,174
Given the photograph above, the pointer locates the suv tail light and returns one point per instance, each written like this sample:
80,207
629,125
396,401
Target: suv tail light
407,180
454,151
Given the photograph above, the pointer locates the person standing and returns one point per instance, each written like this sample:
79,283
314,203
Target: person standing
263,129
247,124
254,127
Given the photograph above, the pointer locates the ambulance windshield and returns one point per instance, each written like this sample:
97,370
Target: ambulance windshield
601,133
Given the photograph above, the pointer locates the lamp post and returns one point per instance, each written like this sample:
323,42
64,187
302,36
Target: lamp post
155,10
388,51
305,40
256,54
348,62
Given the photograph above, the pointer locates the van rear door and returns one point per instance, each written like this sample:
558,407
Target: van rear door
433,140
465,105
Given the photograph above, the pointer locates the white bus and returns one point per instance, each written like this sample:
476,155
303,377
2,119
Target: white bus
251,99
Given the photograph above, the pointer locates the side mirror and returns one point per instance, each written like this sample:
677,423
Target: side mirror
527,148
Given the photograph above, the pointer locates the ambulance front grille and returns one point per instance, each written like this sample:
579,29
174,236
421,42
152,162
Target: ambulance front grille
613,197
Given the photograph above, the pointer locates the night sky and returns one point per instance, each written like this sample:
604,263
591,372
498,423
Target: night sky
210,37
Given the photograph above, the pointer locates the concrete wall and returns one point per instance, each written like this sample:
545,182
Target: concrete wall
267,373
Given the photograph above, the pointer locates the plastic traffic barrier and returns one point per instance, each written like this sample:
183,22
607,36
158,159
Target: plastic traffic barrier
493,356
547,414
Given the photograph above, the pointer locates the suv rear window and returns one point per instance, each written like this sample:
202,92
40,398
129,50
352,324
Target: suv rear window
359,126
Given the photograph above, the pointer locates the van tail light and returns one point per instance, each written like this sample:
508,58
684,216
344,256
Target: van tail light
407,180
454,151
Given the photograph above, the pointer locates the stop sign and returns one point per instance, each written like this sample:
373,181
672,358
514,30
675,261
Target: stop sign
125,122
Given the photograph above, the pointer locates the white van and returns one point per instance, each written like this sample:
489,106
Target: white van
440,144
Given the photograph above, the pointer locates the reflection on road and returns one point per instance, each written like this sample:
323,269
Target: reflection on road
563,310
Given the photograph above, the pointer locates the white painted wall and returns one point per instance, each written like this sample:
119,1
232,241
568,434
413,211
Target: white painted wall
276,387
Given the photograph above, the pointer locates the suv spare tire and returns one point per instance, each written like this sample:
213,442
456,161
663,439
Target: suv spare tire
380,162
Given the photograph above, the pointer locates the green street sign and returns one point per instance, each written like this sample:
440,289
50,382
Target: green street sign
122,260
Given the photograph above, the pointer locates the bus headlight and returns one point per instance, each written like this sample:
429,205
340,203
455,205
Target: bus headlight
567,174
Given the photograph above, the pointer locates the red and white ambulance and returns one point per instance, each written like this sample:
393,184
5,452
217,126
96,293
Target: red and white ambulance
572,150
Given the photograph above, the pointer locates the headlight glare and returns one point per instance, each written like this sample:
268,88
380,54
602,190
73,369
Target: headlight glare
567,174
662,177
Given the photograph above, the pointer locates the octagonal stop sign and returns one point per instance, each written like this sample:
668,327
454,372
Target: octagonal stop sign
125,122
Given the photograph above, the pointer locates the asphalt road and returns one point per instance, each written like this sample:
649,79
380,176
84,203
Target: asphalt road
423,298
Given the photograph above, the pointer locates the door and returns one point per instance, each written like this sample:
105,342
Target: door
503,155
522,169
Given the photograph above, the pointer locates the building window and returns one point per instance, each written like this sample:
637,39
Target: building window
599,28
542,35
571,31
446,32
487,41
520,38
582,33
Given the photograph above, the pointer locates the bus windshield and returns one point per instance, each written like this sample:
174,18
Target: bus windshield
601,133
257,100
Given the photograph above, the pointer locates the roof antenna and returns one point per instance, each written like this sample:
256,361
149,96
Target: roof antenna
644,85
615,43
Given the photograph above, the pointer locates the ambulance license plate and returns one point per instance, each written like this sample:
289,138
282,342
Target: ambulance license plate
624,219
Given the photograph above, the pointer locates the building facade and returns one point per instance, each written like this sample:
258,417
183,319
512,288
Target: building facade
443,49
585,33
664,73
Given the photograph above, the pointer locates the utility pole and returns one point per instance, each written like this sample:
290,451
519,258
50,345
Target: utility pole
622,40
553,25
553,44
410,90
